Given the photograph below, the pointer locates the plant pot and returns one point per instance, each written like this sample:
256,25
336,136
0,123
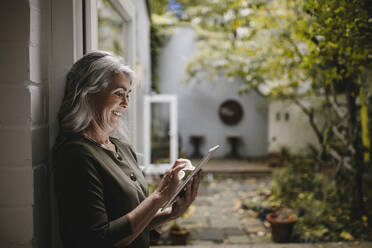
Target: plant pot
179,237
274,159
281,230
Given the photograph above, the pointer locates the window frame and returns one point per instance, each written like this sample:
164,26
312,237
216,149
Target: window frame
126,10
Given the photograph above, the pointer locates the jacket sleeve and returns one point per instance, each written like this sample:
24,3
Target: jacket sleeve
83,218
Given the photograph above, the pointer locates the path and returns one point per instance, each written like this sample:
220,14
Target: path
216,217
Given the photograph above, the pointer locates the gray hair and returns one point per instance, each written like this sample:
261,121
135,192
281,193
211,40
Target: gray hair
89,75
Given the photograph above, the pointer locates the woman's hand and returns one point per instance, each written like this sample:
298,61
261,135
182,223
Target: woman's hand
183,202
169,183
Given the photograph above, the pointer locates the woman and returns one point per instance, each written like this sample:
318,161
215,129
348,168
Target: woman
101,192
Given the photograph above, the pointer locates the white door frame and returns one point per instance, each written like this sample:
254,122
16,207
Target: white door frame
173,132
66,47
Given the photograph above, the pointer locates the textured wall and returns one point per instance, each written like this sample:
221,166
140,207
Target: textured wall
24,201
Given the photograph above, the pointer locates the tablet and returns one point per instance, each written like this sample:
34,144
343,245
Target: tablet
204,160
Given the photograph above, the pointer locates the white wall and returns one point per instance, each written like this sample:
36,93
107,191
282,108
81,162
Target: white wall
24,201
296,133
198,103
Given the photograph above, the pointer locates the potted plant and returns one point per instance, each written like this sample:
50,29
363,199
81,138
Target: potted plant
281,224
279,159
274,159
178,234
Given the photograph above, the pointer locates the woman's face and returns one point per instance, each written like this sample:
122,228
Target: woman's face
110,103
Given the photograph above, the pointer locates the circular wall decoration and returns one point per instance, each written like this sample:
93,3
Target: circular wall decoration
231,112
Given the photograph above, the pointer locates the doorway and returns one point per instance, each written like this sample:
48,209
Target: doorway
160,133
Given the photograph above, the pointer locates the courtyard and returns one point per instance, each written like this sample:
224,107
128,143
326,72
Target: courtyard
222,216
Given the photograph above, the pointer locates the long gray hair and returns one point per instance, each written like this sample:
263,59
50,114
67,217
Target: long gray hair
89,75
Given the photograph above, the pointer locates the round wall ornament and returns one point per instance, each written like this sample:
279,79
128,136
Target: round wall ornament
230,112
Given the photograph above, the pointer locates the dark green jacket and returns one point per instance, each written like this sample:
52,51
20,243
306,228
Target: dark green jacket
95,190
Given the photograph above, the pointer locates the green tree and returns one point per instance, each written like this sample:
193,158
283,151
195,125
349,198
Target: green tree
337,60
158,6
295,49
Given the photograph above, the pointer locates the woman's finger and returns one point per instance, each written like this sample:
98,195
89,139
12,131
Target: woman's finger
188,193
169,175
195,185
177,162
180,201
177,168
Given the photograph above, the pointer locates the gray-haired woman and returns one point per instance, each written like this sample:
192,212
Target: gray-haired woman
102,194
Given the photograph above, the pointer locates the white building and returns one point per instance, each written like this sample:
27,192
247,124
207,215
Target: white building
289,127
266,126
199,103
40,41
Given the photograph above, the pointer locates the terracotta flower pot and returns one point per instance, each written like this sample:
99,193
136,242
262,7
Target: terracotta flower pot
281,230
179,237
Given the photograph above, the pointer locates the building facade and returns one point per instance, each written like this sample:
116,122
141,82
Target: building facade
199,103
41,40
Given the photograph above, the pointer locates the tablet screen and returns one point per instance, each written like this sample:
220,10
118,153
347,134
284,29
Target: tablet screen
204,160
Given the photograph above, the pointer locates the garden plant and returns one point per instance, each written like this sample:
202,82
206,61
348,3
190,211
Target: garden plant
318,55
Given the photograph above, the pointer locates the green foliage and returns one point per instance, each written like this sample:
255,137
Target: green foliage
158,6
323,208
259,41
156,43
283,45
341,40
161,28
110,28
293,49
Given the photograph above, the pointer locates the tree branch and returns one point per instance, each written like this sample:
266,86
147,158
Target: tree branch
336,108
343,139
310,114
340,159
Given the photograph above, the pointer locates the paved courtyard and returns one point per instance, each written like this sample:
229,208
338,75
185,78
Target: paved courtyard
219,217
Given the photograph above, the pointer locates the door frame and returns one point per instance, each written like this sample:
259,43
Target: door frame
71,21
150,168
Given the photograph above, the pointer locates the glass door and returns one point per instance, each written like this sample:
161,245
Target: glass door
160,133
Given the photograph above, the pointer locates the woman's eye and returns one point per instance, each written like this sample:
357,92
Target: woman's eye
119,94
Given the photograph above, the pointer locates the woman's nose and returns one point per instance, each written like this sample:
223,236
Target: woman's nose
124,102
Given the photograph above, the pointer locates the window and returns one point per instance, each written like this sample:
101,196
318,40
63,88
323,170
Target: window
286,116
110,25
110,28
277,116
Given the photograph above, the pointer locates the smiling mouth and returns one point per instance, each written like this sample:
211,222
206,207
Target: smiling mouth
116,113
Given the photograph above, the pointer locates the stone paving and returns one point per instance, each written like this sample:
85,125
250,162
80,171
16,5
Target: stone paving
216,217
237,167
